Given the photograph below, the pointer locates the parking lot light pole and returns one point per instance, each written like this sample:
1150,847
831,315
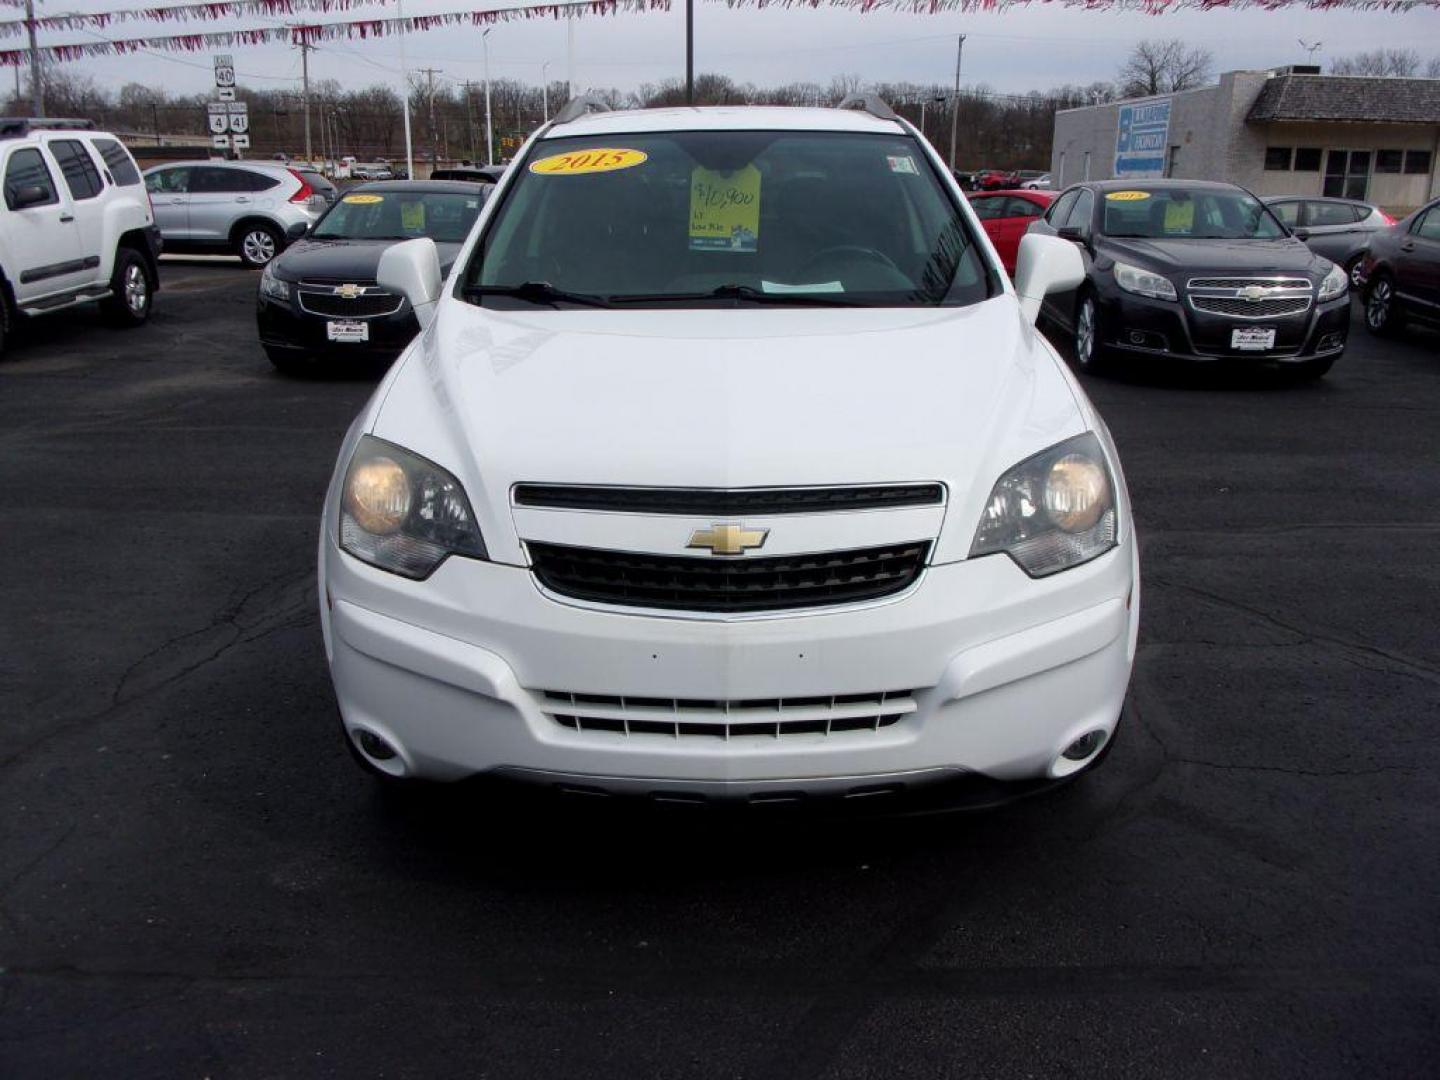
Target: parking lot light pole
955,102
489,130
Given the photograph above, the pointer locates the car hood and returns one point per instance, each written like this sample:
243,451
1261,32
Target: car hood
1282,256
728,397
348,260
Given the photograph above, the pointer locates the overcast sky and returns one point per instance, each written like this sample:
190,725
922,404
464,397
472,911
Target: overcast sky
1034,46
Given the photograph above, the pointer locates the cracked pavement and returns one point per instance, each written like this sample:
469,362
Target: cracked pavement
195,880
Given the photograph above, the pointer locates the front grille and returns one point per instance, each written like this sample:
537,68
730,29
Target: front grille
1251,309
727,584
320,298
720,502
774,718
1245,282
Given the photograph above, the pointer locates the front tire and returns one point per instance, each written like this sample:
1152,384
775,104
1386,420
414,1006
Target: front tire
1381,316
257,244
131,290
1089,353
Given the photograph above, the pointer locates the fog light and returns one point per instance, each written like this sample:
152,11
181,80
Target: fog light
380,750
1084,746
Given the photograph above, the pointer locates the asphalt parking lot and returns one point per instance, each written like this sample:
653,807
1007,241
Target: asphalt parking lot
195,881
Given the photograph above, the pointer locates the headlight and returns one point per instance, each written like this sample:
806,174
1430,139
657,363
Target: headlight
272,286
1052,511
1335,284
1133,279
402,513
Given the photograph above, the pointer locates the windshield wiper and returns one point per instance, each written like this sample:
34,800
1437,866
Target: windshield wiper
538,292
741,292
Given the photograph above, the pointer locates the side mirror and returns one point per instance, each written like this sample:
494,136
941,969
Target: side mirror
412,269
1301,234
296,231
29,195
1046,264
1073,233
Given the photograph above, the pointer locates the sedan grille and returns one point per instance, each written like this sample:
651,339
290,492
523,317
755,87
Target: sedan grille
722,502
1246,282
358,301
774,718
720,584
1251,309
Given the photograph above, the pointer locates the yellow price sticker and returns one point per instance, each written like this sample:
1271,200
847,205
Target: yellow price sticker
725,210
1179,216
1126,196
581,162
412,215
363,200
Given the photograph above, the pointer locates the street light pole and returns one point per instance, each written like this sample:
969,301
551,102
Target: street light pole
489,130
955,103
545,89
37,88
689,52
405,94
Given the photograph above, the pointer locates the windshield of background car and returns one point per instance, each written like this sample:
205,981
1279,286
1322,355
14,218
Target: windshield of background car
1186,214
400,215
785,216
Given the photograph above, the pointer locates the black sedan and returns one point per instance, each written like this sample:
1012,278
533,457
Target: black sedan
1402,273
1196,270
319,298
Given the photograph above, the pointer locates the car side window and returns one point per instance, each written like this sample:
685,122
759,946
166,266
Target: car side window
1018,207
245,180
988,208
1287,212
168,181
26,168
1060,208
1082,212
1428,226
1323,213
118,161
78,168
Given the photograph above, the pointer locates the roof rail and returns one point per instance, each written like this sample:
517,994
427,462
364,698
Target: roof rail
870,103
577,107
17,127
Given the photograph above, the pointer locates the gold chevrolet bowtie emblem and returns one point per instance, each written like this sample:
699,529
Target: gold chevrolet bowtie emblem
350,292
728,539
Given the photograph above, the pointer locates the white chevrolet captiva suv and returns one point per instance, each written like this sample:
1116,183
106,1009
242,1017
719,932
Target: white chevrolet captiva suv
729,464
76,226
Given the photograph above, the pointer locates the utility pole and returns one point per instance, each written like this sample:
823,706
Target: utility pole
955,103
305,48
489,127
470,123
430,74
569,56
155,121
405,93
689,52
37,88
545,89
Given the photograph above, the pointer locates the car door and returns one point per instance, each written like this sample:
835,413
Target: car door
1334,230
81,174
990,210
169,191
1417,264
215,205
41,240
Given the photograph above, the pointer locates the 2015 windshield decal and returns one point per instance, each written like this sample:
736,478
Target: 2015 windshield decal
601,159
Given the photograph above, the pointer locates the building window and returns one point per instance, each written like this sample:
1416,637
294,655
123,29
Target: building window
1388,160
1277,158
1417,162
1347,174
1307,159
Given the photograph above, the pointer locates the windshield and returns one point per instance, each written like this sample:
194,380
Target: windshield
445,217
1188,214
735,217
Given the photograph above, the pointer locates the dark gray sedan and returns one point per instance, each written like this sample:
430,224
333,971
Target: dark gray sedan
1338,229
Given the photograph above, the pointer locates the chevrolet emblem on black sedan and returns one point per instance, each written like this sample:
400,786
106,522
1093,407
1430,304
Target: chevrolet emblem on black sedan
350,292
728,539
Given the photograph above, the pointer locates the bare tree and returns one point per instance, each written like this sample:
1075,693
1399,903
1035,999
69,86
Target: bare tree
1432,69
1378,62
1164,67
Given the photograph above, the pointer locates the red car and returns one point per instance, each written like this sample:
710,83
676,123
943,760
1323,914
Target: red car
1006,215
996,180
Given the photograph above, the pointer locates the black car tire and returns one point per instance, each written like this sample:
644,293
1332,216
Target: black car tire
131,290
287,361
1085,341
257,243
1382,317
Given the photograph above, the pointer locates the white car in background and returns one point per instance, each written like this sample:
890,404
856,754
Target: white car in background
728,463
1037,183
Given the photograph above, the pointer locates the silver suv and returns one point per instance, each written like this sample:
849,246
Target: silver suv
225,207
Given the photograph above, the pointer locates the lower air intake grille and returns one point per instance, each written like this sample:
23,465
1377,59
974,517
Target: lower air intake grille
723,584
774,718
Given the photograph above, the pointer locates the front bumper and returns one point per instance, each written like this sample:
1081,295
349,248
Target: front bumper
1005,671
1139,325
286,326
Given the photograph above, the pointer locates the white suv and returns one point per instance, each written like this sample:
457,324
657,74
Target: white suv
76,226
729,463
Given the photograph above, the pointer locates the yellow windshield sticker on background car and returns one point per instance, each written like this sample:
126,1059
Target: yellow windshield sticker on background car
1179,216
363,200
412,215
725,209
601,159
1127,196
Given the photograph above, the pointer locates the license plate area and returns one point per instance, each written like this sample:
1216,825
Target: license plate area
352,330
1252,338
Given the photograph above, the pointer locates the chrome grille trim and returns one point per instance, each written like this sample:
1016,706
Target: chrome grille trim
1250,297
679,718
1299,284
1238,308
373,302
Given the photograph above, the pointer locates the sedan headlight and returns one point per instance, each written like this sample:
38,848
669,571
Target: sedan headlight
273,287
1335,284
402,513
1143,282
1052,511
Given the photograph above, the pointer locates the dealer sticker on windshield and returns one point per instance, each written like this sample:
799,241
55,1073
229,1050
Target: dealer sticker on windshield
363,200
725,209
1126,196
1252,338
601,159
